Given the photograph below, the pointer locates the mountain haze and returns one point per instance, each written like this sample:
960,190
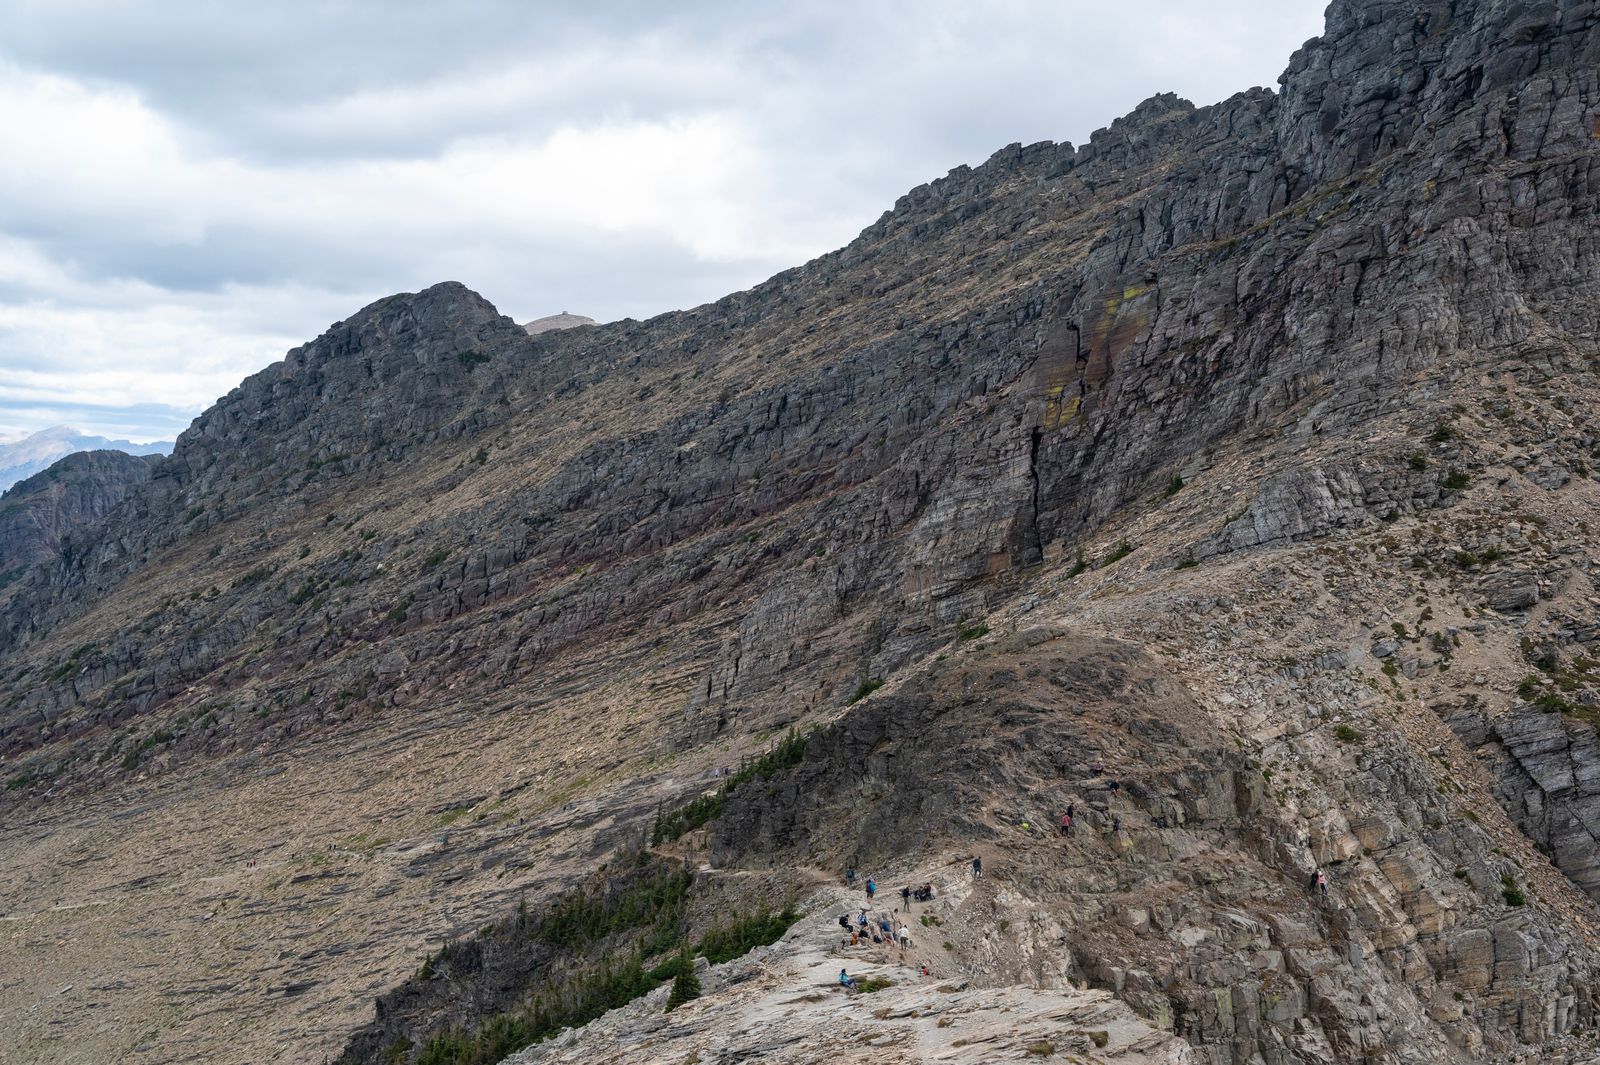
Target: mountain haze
29,454
1229,477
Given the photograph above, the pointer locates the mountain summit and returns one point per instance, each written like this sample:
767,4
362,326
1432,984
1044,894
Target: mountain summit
1227,481
557,321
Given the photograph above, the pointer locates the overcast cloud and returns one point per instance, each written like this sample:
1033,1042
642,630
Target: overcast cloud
187,190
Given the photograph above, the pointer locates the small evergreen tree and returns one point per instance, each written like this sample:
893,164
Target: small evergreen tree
685,985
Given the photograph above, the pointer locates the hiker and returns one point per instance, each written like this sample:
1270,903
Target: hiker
844,921
1322,883
847,981
1072,809
872,888
977,865
905,936
1066,824
1115,786
905,897
1116,824
924,893
884,925
850,876
861,921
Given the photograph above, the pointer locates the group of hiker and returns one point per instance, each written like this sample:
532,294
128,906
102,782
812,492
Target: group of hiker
866,928
869,929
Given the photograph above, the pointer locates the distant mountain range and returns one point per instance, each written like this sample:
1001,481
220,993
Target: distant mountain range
24,456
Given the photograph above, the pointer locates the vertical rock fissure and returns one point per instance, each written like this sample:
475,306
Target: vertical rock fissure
1035,548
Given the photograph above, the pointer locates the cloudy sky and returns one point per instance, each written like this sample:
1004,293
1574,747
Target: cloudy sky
189,189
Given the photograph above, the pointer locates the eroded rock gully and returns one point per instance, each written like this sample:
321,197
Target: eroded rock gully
1281,411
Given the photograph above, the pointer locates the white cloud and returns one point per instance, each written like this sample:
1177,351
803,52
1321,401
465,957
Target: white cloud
184,194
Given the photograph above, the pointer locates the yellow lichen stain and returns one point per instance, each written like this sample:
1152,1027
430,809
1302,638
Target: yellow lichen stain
1429,189
1595,133
1058,411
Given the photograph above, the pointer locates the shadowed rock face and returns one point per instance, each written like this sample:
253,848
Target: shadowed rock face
37,514
1341,335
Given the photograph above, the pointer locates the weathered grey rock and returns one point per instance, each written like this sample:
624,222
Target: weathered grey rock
75,492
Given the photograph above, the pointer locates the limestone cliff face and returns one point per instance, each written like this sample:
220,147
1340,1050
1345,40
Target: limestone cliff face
38,513
1294,394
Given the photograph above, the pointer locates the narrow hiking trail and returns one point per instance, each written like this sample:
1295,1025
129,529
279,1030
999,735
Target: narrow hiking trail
782,1004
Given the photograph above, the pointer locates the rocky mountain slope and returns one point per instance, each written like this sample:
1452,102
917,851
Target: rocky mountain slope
38,513
1241,458
32,453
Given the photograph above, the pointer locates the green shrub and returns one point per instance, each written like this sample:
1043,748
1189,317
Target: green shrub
1175,485
1417,461
670,824
873,984
1077,567
1346,734
471,359
866,688
1510,892
1456,480
1442,433
1118,553
973,632
743,934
